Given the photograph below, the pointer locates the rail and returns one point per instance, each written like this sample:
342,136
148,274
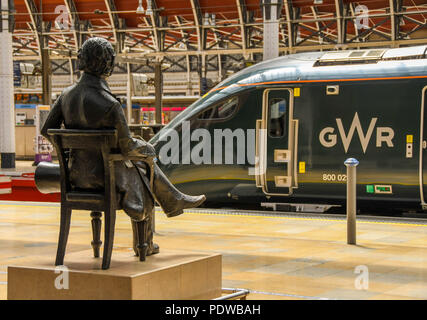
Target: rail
234,294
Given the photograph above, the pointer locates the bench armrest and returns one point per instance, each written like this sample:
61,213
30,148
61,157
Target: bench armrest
120,157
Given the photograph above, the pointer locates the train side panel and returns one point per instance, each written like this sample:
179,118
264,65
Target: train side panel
372,121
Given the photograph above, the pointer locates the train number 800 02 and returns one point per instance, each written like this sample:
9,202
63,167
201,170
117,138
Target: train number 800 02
334,177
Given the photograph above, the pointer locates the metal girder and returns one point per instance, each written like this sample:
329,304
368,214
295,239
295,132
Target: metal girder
37,22
140,41
184,39
24,45
289,17
156,23
340,21
176,63
197,13
243,16
322,27
314,33
224,38
60,65
115,23
371,30
75,22
393,19
187,58
252,50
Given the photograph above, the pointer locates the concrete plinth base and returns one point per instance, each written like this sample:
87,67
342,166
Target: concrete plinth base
176,275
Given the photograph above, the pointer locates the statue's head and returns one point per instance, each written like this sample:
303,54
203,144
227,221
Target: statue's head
96,57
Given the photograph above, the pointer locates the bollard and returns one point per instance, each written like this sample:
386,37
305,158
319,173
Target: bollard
351,165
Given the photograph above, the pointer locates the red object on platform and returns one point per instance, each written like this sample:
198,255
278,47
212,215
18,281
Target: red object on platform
24,189
5,185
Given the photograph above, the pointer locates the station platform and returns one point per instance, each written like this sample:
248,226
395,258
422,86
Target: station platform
21,167
286,256
18,184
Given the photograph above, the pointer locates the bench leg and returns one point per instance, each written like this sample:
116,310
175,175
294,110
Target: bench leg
110,222
96,232
64,230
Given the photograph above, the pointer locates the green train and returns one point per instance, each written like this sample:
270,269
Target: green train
279,132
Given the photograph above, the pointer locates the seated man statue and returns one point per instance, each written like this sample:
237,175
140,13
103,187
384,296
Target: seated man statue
90,105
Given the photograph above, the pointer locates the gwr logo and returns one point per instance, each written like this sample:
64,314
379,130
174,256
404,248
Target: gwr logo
328,138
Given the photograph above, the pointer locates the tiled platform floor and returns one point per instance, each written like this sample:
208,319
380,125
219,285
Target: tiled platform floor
21,167
274,257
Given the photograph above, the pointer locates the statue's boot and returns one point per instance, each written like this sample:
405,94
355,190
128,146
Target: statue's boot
153,248
170,198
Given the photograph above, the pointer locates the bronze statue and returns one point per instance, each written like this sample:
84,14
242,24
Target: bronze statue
89,104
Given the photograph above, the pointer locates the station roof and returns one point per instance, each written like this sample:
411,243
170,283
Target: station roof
183,27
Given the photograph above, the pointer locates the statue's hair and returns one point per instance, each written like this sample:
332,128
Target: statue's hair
96,57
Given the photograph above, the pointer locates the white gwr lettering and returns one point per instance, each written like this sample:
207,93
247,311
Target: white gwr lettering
328,138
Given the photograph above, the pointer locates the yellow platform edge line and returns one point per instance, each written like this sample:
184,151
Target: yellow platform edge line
250,215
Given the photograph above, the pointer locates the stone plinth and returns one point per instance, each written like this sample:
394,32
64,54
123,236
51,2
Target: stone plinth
176,275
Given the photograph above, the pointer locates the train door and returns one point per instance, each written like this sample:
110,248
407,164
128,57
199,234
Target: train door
423,150
276,143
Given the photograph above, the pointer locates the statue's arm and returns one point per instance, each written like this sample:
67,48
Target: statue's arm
129,146
54,119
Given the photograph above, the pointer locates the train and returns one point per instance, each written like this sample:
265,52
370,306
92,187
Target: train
279,132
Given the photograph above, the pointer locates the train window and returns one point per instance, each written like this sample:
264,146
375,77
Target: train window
222,111
278,119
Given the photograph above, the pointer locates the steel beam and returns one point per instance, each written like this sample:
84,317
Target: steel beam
115,23
243,14
158,84
340,21
197,13
289,18
156,23
37,22
75,22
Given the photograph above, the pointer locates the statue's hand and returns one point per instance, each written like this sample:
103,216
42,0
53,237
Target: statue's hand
149,150
136,147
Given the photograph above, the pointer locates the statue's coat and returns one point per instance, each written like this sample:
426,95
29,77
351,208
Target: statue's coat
89,104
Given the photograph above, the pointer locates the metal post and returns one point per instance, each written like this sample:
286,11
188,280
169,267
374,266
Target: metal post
7,110
271,29
158,83
129,95
46,72
351,165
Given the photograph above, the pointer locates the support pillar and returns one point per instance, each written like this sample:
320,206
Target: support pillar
129,95
7,110
46,73
158,84
271,29
203,82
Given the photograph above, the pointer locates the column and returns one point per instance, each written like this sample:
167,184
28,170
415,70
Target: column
271,29
129,95
158,84
7,109
46,72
